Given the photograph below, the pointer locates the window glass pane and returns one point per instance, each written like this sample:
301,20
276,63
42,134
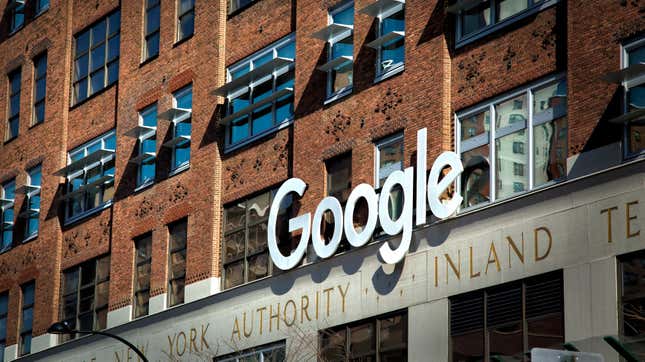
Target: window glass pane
259,207
476,18
184,99
234,274
152,20
98,33
508,8
362,341
234,245
550,151
178,233
288,50
176,292
88,273
98,57
546,332
80,67
14,103
332,345
186,25
114,22
101,319
390,159
239,71
25,344
80,90
82,42
342,77
3,328
42,5
239,130
257,237
113,72
143,276
339,177
141,303
27,319
344,17
113,47
474,125
506,342
508,180
69,306
262,119
512,111
268,56
178,264
258,266
239,103
28,294
468,346
182,155
636,132
235,216
71,282
475,179
40,89
550,101
41,66
637,55
344,47
97,81
143,249
152,46
285,80
4,300
185,5
102,292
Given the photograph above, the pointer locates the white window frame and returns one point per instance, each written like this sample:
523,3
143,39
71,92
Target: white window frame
180,117
5,205
32,191
83,171
248,62
394,68
331,95
394,138
145,136
534,6
258,353
493,135
624,62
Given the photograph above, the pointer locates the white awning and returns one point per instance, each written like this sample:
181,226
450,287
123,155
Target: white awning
173,114
96,183
254,106
635,115
25,189
381,6
5,202
139,130
332,31
257,73
336,63
142,157
176,140
386,38
79,164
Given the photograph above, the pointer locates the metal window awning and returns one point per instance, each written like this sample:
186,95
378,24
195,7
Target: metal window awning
139,130
332,31
386,38
381,6
632,116
626,74
174,141
89,159
7,223
257,73
29,212
25,189
96,183
142,157
173,114
5,202
462,5
336,63
254,106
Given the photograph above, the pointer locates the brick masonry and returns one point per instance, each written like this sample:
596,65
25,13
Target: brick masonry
581,39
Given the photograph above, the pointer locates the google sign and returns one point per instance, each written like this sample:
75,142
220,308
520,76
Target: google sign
427,193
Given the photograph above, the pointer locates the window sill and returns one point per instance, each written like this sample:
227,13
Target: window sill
30,238
505,23
35,125
179,169
14,31
41,12
78,104
338,95
183,40
144,186
149,60
389,74
77,218
10,140
230,148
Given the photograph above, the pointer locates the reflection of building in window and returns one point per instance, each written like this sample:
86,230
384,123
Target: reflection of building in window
339,184
245,249
506,321
178,235
389,158
7,200
516,119
142,267
383,338
270,353
390,37
635,98
632,303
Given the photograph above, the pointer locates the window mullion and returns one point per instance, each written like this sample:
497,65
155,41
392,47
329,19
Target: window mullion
525,335
493,164
531,141
246,242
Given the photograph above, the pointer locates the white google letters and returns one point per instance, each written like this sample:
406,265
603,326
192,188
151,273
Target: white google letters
377,210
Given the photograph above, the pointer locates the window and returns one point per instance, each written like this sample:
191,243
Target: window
90,176
13,122
274,352
339,177
389,158
40,88
245,250
4,312
504,322
339,35
181,128
16,10
535,116
177,262
234,5
151,29
31,207
259,92
26,318
185,18
377,339
7,208
147,145
41,6
96,57
632,303
635,99
390,36
85,294
480,17
142,265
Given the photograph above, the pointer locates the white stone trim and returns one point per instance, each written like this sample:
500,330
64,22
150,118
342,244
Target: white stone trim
119,316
